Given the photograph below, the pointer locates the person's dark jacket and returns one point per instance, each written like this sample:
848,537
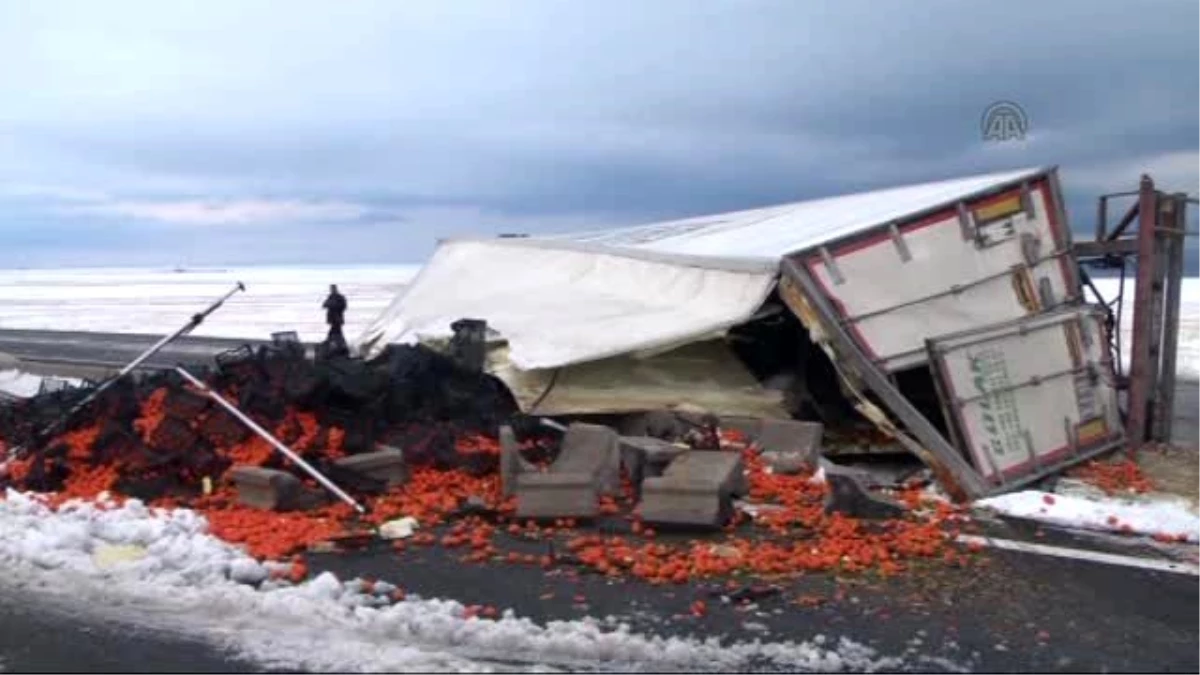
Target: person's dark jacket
335,309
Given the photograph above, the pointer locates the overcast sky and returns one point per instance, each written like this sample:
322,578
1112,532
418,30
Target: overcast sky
194,133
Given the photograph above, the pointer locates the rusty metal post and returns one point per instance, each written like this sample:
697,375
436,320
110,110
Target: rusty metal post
1164,221
1176,245
1126,220
1101,217
1141,363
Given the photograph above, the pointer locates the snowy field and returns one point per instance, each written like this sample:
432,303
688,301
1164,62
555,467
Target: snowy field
161,300
17,383
161,569
1188,354
289,298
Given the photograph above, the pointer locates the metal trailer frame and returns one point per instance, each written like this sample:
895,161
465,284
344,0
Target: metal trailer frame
1176,246
957,475
947,459
1157,247
1147,336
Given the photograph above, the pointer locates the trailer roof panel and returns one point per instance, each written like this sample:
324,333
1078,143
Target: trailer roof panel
771,232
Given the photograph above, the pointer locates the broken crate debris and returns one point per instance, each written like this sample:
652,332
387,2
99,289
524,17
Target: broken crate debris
270,489
697,488
790,446
644,456
512,464
588,466
385,465
849,495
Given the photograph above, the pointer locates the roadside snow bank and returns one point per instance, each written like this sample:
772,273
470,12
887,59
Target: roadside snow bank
20,383
1147,515
185,582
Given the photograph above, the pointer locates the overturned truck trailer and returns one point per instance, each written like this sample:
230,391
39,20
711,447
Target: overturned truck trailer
950,313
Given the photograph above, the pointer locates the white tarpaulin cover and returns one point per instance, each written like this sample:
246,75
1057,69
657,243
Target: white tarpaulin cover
561,305
580,297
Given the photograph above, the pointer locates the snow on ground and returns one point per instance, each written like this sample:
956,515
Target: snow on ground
160,569
132,300
18,383
1148,515
1188,354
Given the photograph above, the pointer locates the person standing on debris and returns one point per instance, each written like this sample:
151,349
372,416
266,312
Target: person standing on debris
335,316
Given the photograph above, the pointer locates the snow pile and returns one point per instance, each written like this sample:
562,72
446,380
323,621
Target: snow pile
18,383
188,581
1160,515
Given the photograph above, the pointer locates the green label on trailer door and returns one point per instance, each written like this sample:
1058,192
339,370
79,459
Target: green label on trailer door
999,417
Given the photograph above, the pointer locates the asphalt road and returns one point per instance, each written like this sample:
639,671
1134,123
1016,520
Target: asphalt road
37,637
1014,612
60,350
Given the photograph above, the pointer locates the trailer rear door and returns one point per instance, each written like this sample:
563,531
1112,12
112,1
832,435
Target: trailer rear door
987,259
1026,397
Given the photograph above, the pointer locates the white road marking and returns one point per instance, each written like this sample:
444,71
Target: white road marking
1082,554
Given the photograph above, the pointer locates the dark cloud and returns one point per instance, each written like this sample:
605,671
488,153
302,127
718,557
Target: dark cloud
435,118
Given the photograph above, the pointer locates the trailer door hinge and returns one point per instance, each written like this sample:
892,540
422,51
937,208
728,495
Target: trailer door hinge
831,267
899,243
964,222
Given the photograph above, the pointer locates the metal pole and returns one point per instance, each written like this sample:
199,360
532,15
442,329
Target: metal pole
1140,364
1162,248
1120,308
1133,212
328,484
196,320
1176,244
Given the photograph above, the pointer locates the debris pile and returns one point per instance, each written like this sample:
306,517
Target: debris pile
1121,476
156,438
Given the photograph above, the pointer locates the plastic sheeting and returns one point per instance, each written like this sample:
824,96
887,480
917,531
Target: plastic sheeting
562,304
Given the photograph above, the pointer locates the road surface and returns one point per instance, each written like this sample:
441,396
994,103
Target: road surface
61,351
37,637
